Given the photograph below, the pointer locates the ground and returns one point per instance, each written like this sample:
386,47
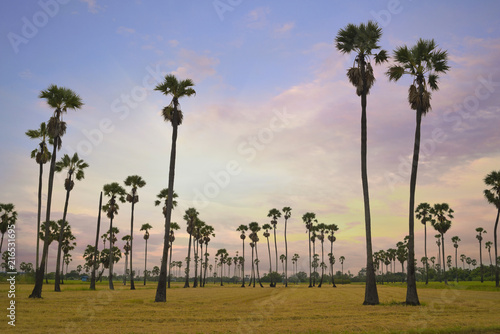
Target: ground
463,308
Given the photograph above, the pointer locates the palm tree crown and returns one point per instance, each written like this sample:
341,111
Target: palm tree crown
172,86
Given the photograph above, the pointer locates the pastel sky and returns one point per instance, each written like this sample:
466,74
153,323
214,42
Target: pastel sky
274,122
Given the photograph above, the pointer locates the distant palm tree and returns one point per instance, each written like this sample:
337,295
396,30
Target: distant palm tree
173,114
254,227
492,195
61,99
423,62
363,39
242,228
321,229
206,232
442,213
287,212
455,241
223,255
463,258
266,228
146,227
422,214
126,251
332,228
488,245
274,214
93,257
438,243
479,237
75,167
342,259
41,155
173,227
68,244
191,217
114,191
308,218
134,181
282,259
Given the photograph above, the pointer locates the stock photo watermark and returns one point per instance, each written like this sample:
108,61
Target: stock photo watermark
484,89
248,151
223,6
11,274
30,26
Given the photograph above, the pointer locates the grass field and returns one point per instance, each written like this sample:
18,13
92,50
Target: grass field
464,308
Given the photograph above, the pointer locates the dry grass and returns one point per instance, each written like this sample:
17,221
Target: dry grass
231,309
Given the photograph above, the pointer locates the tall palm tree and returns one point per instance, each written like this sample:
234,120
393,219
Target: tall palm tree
75,167
172,114
126,251
61,99
146,227
332,228
442,213
479,237
321,229
455,241
207,231
41,155
422,214
274,214
266,234
308,218
113,191
173,227
363,39
8,217
254,227
94,258
423,62
191,217
492,180
134,181
242,228
287,212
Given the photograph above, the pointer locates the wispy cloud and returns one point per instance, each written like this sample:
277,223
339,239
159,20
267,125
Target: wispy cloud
92,5
257,18
284,28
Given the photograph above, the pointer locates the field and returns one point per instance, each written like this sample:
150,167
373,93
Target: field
231,309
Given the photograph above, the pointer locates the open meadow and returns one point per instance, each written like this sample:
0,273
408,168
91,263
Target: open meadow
231,309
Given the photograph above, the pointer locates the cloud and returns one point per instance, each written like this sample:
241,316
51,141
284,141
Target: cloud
26,74
173,43
92,5
257,18
125,31
284,28
195,66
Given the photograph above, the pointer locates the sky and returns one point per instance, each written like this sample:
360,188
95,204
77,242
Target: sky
274,122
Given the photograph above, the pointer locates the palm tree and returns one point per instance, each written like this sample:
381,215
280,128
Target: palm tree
207,231
363,39
61,99
75,168
287,212
468,260
438,243
274,214
441,222
242,228
479,237
282,259
402,254
423,62
191,217
332,228
321,229
308,218
422,214
8,217
94,257
492,195
463,258
49,238
68,244
134,181
295,259
173,227
223,255
254,227
42,156
172,114
112,190
342,259
126,251
266,228
455,241
488,245
146,227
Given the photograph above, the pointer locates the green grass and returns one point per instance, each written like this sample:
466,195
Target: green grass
232,309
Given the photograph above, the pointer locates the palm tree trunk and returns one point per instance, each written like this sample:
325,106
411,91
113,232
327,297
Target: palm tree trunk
132,285
206,266
426,258
286,258
96,251
322,269
275,249
444,262
196,259
331,264
37,289
170,265
371,294
257,265
201,265
186,282
39,214
456,263
270,266
411,287
243,267
252,275
57,288
125,273
481,260
111,257
310,276
145,261
496,250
